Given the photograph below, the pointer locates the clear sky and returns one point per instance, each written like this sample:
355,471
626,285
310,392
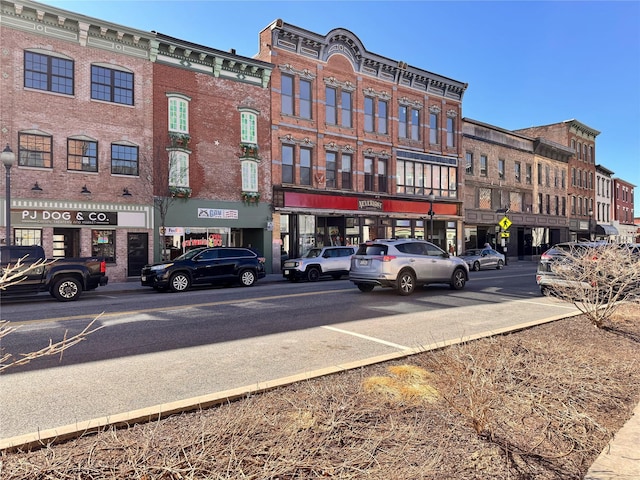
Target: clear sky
526,62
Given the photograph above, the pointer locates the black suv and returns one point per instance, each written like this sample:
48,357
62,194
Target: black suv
205,266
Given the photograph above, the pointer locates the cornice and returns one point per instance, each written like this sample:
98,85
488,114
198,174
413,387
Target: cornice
341,41
40,19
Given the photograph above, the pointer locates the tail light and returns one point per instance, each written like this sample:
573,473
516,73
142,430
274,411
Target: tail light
103,266
385,258
545,256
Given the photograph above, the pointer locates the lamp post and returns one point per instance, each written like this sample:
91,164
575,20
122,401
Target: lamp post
8,158
431,197
591,236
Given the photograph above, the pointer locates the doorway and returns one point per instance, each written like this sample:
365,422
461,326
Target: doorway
66,242
137,253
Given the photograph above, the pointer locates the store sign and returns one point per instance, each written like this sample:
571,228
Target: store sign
370,205
218,213
68,217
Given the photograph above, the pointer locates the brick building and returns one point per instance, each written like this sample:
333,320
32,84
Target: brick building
75,112
212,182
582,171
603,213
524,179
623,221
358,143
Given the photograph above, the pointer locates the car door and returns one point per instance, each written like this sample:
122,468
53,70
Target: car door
416,257
441,267
205,266
488,258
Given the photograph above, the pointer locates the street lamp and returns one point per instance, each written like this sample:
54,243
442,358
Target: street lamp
431,197
8,158
591,236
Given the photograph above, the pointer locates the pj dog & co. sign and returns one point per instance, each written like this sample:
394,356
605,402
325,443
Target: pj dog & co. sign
67,217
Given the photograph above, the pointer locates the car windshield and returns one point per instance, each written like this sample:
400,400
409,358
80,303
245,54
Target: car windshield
313,253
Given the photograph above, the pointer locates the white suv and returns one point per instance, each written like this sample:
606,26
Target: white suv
334,261
404,264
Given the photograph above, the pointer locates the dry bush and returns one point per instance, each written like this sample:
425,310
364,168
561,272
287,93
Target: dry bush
536,404
597,279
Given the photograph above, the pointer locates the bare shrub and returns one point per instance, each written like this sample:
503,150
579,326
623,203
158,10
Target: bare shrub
597,279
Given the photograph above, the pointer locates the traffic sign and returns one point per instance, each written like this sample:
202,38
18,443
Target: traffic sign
505,234
505,223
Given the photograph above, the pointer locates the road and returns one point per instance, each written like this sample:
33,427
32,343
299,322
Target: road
163,348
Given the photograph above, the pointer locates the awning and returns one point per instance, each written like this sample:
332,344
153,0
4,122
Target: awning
606,230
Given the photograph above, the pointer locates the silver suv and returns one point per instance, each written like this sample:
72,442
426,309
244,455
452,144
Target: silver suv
333,261
405,264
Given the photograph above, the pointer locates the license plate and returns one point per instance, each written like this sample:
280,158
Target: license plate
363,262
286,272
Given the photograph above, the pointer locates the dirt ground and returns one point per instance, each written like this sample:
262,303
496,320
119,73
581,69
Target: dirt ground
536,404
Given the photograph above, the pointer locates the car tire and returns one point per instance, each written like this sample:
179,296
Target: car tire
247,278
458,279
313,274
406,283
476,266
500,265
179,282
66,289
365,287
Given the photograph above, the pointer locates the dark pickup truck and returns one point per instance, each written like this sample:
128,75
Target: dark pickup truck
64,278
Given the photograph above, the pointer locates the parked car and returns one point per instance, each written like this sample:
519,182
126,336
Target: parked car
205,266
405,264
64,278
482,258
556,268
319,262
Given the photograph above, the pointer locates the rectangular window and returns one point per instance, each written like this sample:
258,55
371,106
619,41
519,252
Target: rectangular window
433,128
451,139
547,204
305,166
368,174
35,150
402,121
286,94
415,124
178,115
484,198
564,206
419,178
104,244
547,176
382,175
124,160
345,109
248,127
111,85
501,169
82,155
178,169
305,99
368,114
529,174
45,72
540,206
249,176
540,174
331,99
469,163
27,236
287,164
557,205
517,168
346,171
330,167
483,165
382,117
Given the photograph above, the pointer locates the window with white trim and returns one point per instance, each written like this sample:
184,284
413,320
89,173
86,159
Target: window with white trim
178,114
248,127
249,175
178,169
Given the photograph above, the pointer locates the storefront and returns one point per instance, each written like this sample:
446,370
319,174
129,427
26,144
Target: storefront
117,232
308,220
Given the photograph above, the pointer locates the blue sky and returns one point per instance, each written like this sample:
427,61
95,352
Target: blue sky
526,63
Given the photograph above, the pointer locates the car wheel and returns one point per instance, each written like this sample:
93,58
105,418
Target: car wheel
365,287
247,278
476,266
406,283
179,282
500,265
546,291
313,274
67,289
458,279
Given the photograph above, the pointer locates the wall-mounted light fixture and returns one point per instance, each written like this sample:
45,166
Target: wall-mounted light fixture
36,188
85,190
126,192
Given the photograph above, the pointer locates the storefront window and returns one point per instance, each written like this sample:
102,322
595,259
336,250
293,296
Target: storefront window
104,244
26,236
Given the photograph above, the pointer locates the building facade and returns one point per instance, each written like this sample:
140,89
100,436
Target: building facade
362,146
515,177
211,155
623,200
604,229
76,115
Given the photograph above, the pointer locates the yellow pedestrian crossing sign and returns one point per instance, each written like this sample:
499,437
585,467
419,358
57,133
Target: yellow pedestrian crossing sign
505,223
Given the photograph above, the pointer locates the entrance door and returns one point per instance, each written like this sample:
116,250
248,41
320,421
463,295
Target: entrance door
66,242
137,253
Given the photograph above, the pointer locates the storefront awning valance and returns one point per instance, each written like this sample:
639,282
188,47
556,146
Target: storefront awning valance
606,230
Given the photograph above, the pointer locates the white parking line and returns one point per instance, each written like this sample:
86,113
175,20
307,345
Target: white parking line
366,337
